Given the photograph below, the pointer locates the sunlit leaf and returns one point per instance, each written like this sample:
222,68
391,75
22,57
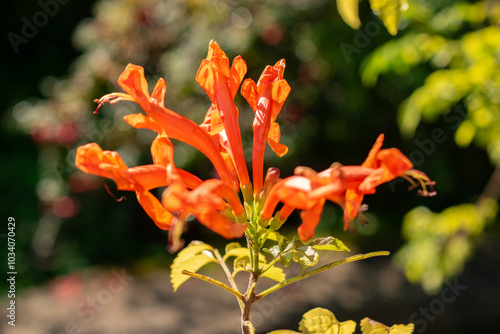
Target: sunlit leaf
242,263
306,256
389,12
369,326
322,321
329,243
275,273
274,251
191,258
348,10
275,236
235,251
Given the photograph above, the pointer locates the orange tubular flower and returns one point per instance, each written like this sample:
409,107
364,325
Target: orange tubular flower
344,185
221,84
216,203
266,99
210,203
164,120
92,159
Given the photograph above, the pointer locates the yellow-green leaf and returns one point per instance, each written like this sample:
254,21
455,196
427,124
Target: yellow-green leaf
232,245
237,252
284,331
274,236
329,243
389,12
322,321
348,10
275,273
195,247
369,326
192,258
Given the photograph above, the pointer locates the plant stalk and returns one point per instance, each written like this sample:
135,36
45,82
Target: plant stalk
318,270
214,282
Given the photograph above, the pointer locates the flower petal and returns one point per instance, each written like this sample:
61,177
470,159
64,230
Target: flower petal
310,220
162,218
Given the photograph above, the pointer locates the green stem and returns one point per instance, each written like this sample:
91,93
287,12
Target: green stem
215,282
318,270
228,274
265,236
269,265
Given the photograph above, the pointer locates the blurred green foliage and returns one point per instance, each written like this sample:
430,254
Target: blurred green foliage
460,42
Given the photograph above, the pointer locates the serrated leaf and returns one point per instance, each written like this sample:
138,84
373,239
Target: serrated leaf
329,243
237,252
231,245
322,321
195,247
284,331
369,326
274,251
286,259
241,263
193,264
306,256
389,12
275,273
349,12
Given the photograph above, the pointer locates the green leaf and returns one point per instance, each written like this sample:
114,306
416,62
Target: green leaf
329,243
348,10
389,12
241,263
275,236
369,326
235,251
231,245
274,251
275,273
322,321
306,256
187,260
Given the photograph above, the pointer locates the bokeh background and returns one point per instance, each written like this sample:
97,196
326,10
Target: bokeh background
433,89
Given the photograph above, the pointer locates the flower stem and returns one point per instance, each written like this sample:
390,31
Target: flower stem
318,270
215,282
228,274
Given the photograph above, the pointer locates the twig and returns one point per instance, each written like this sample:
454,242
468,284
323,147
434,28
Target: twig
318,270
214,282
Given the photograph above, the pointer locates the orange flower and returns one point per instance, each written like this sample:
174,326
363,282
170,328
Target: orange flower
344,185
163,120
213,203
221,84
266,99
92,159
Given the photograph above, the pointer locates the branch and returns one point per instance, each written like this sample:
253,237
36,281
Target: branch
318,270
214,282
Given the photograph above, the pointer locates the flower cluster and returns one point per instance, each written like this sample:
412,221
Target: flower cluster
216,203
